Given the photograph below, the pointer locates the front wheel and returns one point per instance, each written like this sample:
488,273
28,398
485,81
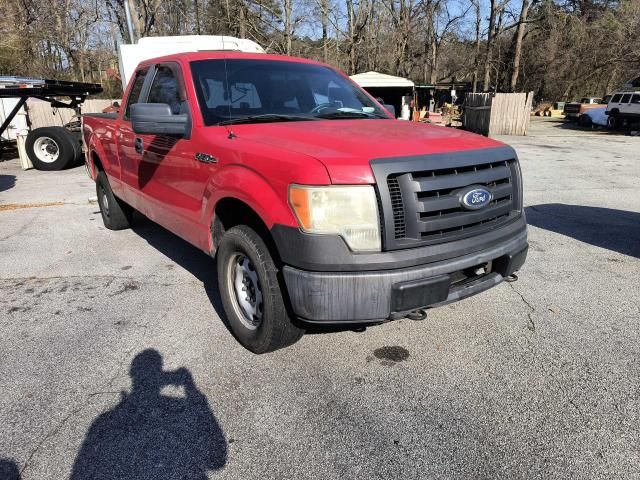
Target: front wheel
251,294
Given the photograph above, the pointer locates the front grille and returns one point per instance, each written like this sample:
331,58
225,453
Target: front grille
439,211
397,206
572,109
424,203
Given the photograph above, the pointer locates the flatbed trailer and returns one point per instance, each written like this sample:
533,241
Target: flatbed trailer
49,148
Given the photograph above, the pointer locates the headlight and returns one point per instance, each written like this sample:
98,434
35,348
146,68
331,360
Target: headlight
349,211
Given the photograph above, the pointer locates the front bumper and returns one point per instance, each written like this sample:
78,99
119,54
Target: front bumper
370,296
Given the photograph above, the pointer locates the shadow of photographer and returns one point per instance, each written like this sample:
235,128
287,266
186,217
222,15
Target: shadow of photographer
151,434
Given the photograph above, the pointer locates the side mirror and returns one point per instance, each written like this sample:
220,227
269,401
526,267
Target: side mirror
391,109
156,118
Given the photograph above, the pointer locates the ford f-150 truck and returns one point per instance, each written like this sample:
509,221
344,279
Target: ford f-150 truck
319,207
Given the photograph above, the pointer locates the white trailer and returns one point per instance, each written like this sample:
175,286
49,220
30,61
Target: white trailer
130,55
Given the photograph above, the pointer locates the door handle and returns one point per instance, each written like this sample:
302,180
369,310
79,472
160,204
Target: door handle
138,144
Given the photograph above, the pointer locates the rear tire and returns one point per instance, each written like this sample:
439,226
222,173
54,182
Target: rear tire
251,294
52,148
116,214
585,121
613,122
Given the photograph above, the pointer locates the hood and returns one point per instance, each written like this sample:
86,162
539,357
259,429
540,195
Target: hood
345,147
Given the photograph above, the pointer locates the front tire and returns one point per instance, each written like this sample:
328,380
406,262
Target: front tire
116,214
251,294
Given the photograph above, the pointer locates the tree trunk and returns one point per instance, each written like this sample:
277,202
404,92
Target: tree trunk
324,6
242,20
434,62
350,34
138,25
288,9
517,52
489,50
197,12
476,61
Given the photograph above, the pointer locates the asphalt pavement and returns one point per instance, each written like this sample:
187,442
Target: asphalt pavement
114,362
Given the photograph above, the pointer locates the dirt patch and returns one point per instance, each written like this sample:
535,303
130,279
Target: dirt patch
18,206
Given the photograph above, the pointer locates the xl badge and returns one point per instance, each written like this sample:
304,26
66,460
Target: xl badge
475,198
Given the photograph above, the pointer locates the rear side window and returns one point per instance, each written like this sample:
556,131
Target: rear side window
616,98
635,98
625,98
134,94
164,89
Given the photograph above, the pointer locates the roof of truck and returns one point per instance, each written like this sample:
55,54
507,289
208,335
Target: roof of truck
229,55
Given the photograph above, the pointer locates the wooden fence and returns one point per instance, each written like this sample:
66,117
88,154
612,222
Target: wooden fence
42,114
497,114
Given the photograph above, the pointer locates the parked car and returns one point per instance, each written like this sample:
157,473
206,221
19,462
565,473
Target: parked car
594,116
319,207
624,107
573,110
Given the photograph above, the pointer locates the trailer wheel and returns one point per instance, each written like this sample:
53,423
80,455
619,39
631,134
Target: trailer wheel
51,148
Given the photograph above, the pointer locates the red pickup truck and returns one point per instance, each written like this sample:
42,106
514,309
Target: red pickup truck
319,207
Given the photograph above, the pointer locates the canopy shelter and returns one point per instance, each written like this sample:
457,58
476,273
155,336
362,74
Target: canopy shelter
389,88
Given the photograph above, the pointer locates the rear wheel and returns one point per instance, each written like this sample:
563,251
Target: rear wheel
52,148
584,120
613,122
251,294
116,214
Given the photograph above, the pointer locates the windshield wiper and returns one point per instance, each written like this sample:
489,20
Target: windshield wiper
340,114
267,117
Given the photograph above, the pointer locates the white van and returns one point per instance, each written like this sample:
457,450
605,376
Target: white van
623,107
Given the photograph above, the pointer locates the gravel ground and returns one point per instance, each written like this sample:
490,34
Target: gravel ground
115,364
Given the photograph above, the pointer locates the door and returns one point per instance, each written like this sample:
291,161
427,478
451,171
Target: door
634,108
126,144
171,180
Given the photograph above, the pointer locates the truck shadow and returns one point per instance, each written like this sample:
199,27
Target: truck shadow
204,268
9,470
151,433
192,259
7,182
616,230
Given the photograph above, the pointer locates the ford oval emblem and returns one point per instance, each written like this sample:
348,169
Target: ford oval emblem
475,198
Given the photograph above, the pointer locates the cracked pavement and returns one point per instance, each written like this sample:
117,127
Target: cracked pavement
114,362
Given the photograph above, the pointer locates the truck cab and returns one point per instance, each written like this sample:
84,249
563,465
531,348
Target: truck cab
319,207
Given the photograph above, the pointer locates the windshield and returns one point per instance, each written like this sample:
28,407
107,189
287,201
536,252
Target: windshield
254,91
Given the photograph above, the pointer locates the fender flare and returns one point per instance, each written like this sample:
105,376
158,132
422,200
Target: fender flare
246,185
96,148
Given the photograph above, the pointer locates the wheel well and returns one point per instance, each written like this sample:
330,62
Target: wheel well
230,212
96,162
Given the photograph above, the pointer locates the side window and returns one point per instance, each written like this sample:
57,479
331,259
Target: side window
616,98
134,94
164,89
636,98
625,98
